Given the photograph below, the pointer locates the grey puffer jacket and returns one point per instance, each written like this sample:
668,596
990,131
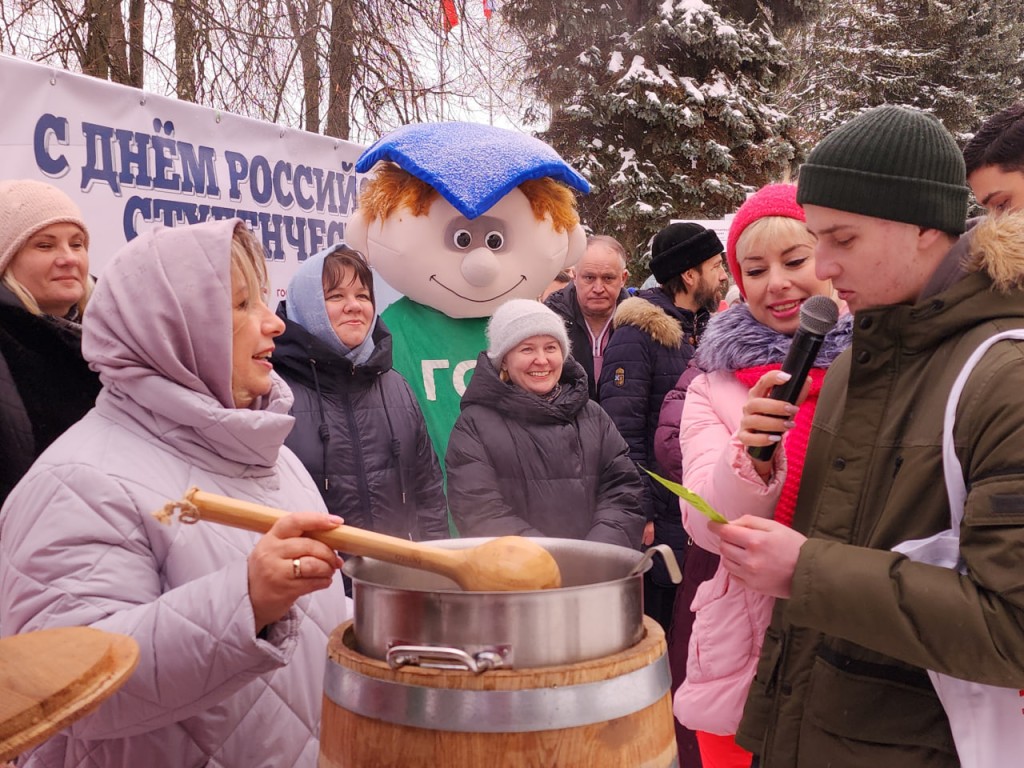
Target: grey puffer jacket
79,545
520,465
361,435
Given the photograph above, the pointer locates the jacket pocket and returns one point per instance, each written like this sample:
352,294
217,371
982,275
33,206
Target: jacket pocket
872,714
727,628
996,500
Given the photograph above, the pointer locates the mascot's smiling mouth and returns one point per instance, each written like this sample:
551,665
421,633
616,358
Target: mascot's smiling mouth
522,279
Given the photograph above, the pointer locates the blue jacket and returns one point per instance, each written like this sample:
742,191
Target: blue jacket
653,343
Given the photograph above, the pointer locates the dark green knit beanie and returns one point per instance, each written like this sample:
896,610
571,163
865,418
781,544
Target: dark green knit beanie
893,163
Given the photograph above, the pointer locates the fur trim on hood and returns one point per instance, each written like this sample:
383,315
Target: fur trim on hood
997,247
651,319
734,340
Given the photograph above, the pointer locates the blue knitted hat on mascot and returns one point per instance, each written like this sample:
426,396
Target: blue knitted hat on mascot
472,166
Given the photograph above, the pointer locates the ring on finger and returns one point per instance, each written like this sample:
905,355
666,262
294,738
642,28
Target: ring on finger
297,568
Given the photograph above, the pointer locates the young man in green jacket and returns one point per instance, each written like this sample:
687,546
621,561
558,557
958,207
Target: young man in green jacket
842,678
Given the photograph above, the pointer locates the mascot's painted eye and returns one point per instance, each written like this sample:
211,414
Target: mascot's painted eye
462,239
494,240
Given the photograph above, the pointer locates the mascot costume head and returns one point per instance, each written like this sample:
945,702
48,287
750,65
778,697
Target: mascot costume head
463,217
460,218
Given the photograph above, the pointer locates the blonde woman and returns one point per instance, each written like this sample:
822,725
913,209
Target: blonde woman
231,625
725,412
45,385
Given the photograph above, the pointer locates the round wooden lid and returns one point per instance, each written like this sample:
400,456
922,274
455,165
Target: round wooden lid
50,678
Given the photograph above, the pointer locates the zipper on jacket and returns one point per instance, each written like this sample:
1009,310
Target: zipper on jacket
396,446
357,452
324,430
775,690
897,465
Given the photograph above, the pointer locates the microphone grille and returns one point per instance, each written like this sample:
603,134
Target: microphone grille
819,315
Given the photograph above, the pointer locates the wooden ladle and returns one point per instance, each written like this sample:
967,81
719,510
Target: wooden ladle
504,564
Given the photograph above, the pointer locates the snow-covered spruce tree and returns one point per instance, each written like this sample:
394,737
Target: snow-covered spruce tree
668,118
782,13
960,59
553,35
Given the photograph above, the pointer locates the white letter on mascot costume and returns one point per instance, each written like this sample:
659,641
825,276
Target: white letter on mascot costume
460,218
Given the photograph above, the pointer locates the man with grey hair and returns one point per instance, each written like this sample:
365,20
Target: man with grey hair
588,303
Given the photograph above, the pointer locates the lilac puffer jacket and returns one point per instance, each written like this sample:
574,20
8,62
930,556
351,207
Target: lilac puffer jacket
79,544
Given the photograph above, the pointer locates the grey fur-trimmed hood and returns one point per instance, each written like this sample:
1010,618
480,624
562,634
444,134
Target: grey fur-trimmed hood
734,340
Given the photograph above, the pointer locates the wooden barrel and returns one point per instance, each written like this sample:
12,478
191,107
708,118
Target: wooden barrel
615,711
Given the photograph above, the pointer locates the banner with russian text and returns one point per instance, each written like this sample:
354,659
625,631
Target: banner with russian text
131,160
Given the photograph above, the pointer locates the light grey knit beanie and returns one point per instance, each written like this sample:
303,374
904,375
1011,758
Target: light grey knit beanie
27,206
519,319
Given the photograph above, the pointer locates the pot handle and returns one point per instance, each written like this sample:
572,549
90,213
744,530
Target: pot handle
667,555
440,657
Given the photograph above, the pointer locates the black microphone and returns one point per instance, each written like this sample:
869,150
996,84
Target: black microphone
818,316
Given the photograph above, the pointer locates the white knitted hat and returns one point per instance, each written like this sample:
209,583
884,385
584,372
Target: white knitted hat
27,206
519,319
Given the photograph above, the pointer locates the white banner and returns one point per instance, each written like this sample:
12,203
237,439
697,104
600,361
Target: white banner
131,160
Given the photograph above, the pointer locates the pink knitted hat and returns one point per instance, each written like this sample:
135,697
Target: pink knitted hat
771,200
27,206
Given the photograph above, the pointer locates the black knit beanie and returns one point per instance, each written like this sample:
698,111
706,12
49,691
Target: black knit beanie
682,246
893,163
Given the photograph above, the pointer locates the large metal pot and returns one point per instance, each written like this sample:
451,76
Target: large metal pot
407,616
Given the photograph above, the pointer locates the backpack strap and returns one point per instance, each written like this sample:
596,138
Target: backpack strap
956,489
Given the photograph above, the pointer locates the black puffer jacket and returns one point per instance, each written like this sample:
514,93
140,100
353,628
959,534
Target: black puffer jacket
45,385
520,465
653,343
564,304
361,435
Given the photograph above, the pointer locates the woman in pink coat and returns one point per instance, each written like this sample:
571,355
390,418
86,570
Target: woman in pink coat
771,256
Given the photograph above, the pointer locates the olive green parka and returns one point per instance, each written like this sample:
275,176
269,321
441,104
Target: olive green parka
841,681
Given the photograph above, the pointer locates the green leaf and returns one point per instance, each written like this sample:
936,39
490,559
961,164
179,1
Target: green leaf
689,497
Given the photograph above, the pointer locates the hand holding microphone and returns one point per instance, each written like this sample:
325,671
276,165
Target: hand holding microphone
818,316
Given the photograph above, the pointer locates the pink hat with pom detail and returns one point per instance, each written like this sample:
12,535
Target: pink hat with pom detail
770,200
27,206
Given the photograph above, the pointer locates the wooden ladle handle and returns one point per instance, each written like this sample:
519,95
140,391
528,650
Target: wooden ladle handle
507,563
259,518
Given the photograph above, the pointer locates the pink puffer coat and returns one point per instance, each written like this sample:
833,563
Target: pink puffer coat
716,466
